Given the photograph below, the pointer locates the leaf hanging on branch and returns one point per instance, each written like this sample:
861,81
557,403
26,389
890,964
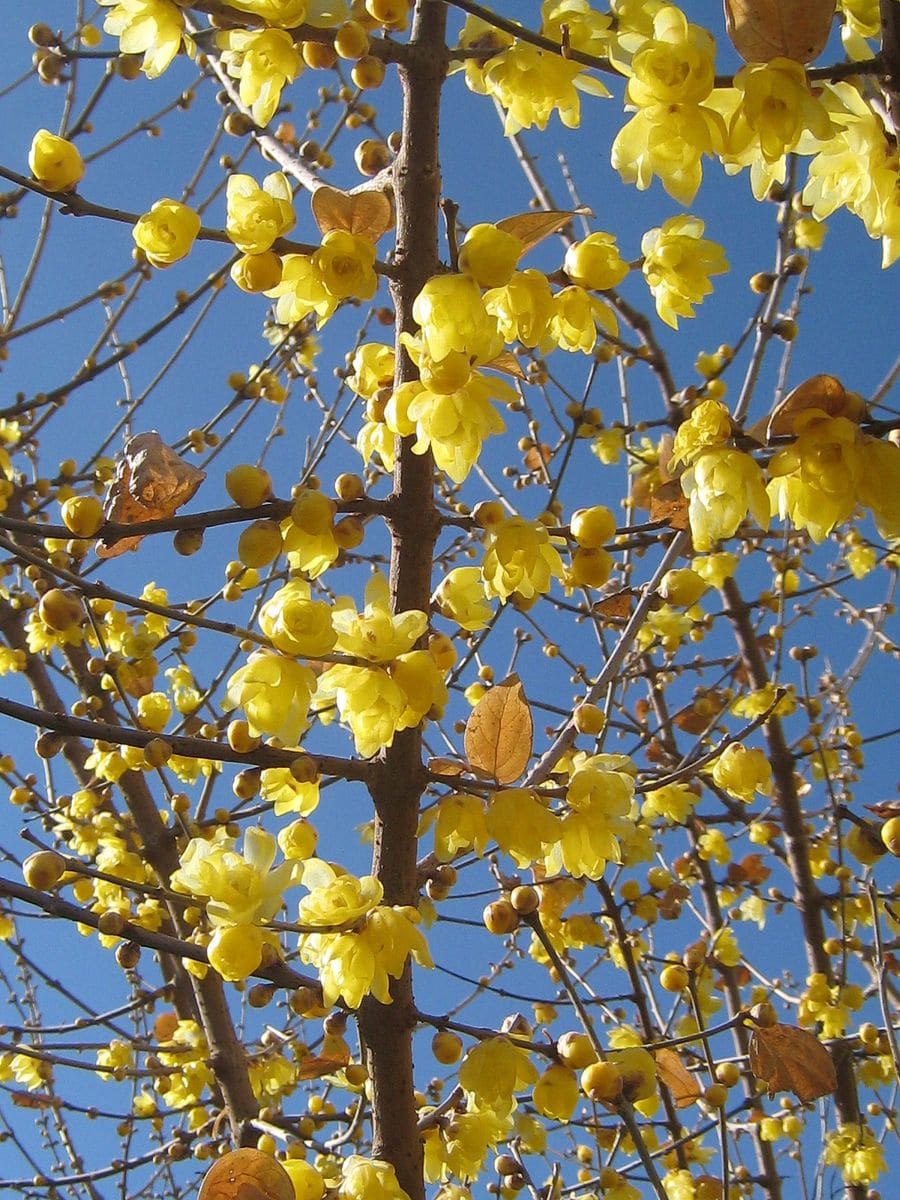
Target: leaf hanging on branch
790,1059
681,1083
152,482
761,30
499,732
368,213
532,227
824,392
668,503
246,1174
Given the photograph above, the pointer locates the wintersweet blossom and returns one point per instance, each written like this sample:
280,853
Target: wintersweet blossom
256,215
452,316
154,28
460,597
722,487
295,623
493,1071
274,693
742,770
519,558
368,1179
678,262
240,888
166,233
54,162
376,634
264,60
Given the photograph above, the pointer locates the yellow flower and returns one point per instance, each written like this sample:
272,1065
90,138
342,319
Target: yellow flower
345,262
280,788
776,108
595,262
722,486
455,425
240,889
817,479
493,1071
675,66
856,1151
256,215
521,825
678,262
274,693
576,315
369,701
460,598
556,1093
336,899
373,369
459,824
369,1179
154,28
669,141
523,308
54,162
308,533
519,558
376,634
489,255
708,425
166,233
264,61
284,13
301,291
295,623
451,316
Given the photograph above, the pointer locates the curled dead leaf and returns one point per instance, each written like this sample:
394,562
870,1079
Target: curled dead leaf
681,1083
532,227
246,1174
499,732
616,606
368,213
151,483
790,1059
824,392
669,503
761,30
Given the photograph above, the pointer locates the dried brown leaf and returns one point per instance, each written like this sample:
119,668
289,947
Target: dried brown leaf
790,1059
677,1078
499,732
824,392
446,766
669,503
537,457
368,214
615,607
508,364
761,30
246,1174
532,227
151,483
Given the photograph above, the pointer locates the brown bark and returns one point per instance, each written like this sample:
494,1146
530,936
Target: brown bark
807,898
387,1029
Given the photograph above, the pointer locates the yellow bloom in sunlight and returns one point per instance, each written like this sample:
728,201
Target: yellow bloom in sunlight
336,899
274,693
308,533
676,65
345,262
256,215
376,634
54,162
678,262
451,315
369,1179
708,425
519,558
240,889
154,28
522,826
460,597
459,825
264,61
166,233
777,107
856,1151
295,623
454,426
722,487
493,1071
816,480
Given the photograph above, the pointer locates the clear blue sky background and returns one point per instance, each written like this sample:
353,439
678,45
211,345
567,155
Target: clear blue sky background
849,325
